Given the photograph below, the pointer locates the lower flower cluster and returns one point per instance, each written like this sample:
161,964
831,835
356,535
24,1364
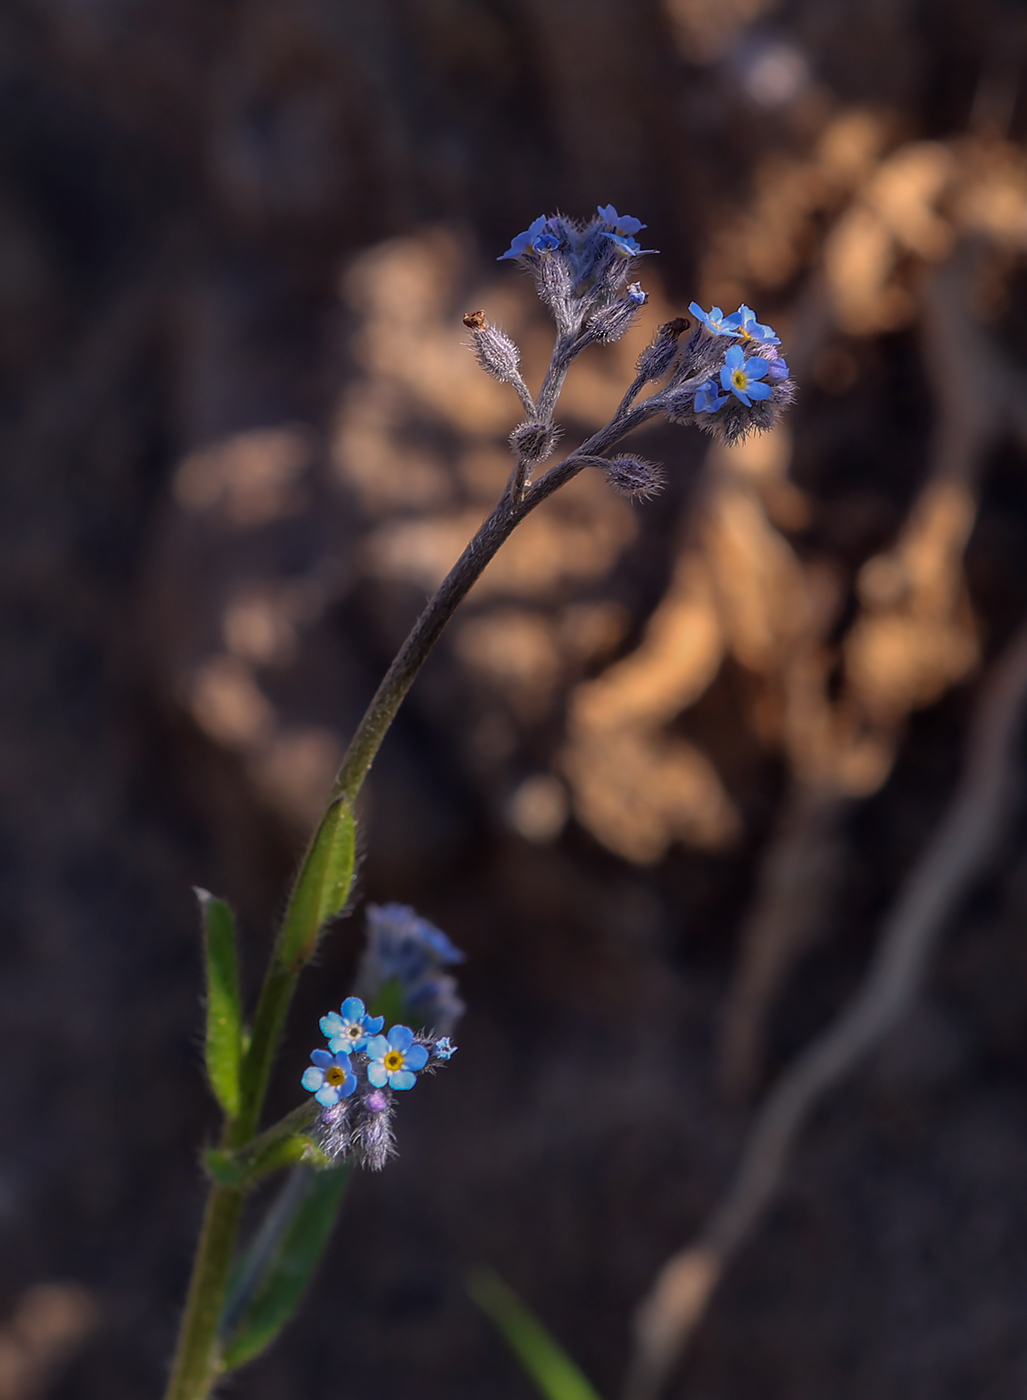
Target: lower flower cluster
355,1080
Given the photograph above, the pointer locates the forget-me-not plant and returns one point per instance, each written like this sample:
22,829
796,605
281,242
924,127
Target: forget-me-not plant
723,374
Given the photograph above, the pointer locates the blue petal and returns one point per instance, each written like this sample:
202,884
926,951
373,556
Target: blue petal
373,1024
339,1042
756,367
546,243
329,1095
377,1074
312,1079
416,1057
401,1037
353,1009
758,390
402,1079
331,1025
378,1047
743,396
627,224
725,379
341,1060
348,1085
778,368
321,1058
734,358
607,212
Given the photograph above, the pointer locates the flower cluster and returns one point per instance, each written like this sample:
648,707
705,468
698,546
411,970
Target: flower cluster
728,376
581,270
408,952
355,1078
743,377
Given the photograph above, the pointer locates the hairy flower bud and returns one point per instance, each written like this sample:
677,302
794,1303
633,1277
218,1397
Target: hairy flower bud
658,356
635,477
493,349
534,442
610,322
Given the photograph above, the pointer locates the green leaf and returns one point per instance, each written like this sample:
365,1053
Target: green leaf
322,886
224,1013
545,1361
271,1278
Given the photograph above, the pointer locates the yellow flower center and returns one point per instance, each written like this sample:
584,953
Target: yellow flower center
739,378
334,1075
394,1060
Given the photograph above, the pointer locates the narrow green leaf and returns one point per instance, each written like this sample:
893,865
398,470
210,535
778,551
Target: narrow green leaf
224,1013
273,1275
545,1361
322,886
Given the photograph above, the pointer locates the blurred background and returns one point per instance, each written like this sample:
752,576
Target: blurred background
666,773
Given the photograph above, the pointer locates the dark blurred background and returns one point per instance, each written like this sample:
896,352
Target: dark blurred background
668,769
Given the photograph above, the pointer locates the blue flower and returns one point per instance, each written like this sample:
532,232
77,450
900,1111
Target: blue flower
708,398
619,223
444,1049
533,239
393,1059
746,325
741,376
329,1078
778,365
714,320
350,1031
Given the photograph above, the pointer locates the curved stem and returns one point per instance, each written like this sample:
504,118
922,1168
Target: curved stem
195,1369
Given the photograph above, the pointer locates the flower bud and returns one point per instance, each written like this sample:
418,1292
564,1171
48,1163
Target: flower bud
493,349
634,477
534,442
658,356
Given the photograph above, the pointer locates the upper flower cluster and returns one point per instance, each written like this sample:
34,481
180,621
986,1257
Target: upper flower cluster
581,269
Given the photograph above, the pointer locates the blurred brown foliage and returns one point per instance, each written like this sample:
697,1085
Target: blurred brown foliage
670,765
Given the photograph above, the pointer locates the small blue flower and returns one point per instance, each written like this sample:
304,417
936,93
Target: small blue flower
741,376
746,325
629,246
778,365
329,1078
350,1031
533,239
708,398
714,320
620,223
636,295
444,1048
393,1058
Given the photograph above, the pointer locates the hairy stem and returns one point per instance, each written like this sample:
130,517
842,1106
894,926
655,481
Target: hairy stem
196,1364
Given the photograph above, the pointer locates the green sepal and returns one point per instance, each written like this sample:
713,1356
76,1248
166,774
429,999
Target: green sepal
224,1012
244,1171
284,1144
546,1362
271,1278
322,886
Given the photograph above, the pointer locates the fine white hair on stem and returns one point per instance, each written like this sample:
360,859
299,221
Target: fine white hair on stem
952,860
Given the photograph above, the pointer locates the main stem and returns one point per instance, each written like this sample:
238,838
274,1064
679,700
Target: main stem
196,1366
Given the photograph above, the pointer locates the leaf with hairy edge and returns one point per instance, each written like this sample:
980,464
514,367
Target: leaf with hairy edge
224,1013
545,1361
322,886
273,1275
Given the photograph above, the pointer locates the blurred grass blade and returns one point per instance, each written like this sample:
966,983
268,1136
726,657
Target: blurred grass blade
224,1012
271,1278
323,885
545,1361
